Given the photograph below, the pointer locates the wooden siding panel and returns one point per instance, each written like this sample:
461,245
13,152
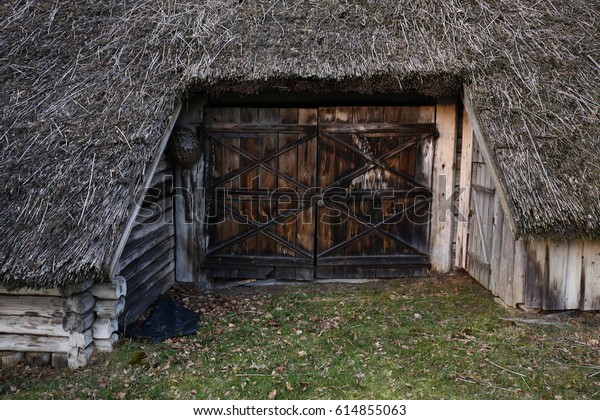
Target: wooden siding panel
557,272
520,270
496,285
507,259
573,281
591,274
150,247
442,217
536,275
464,193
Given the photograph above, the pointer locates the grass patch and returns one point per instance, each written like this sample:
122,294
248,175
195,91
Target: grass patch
430,338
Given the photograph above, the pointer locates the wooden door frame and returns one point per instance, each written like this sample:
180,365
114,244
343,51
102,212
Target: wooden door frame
258,163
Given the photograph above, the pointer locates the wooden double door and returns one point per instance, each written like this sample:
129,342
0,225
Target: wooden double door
304,193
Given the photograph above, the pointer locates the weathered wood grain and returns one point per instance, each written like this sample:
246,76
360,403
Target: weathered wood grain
80,303
507,259
81,340
30,292
109,308
35,306
106,345
165,232
573,281
59,360
442,219
591,273
74,322
520,271
78,357
496,262
142,303
35,325
113,290
35,343
536,279
103,328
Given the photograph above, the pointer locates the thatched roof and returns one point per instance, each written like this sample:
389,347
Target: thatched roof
88,87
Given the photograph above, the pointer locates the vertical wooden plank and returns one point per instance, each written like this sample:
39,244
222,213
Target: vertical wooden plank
392,114
476,234
573,281
507,259
591,273
248,180
288,164
187,256
326,164
267,181
344,163
368,114
497,246
230,162
425,151
537,274
557,265
443,186
520,269
464,192
307,170
426,114
187,203
409,114
564,283
214,115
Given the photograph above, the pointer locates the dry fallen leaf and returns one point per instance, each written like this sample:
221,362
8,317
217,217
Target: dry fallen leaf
272,394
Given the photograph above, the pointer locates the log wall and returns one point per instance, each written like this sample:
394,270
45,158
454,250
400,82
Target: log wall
64,327
147,262
51,326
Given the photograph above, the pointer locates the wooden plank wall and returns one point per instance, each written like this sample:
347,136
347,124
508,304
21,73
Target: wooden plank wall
547,274
562,275
484,219
148,259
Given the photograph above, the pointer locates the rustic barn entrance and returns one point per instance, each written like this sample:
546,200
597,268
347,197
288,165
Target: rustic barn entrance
304,193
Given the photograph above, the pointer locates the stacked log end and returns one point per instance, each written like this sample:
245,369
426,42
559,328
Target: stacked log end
78,321
60,327
32,324
110,303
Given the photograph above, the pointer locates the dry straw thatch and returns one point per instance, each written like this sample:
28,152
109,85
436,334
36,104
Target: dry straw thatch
88,87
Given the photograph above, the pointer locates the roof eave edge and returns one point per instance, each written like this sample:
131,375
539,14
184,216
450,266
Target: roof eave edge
487,154
114,261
